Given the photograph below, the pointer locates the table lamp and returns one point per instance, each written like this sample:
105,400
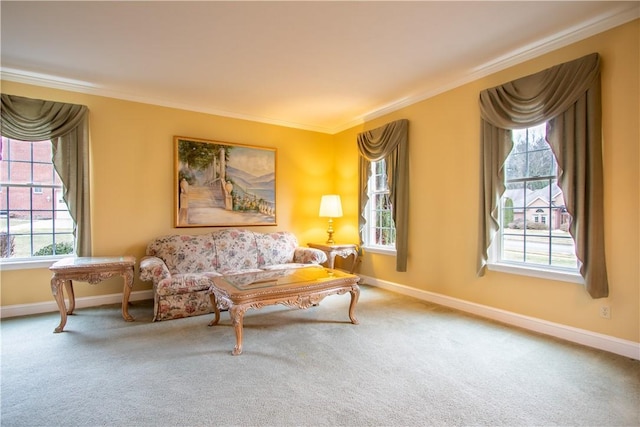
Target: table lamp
330,207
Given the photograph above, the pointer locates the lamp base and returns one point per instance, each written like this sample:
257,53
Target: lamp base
330,232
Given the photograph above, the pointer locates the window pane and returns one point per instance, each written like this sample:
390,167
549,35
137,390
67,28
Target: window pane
42,151
380,183
4,172
19,199
379,167
534,186
18,151
537,248
541,163
519,138
4,201
513,247
64,244
42,243
516,166
22,245
563,250
43,173
19,172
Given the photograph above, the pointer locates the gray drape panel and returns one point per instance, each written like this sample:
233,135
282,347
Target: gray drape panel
388,142
66,125
567,97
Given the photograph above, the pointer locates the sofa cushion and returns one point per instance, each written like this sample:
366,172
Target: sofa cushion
235,250
185,254
275,248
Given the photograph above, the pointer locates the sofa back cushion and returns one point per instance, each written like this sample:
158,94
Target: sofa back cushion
235,250
185,254
275,248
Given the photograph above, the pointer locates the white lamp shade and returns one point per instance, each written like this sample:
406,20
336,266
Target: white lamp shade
330,206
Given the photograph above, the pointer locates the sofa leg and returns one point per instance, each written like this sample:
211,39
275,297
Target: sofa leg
216,310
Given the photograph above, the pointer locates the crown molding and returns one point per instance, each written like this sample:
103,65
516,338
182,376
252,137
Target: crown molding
620,16
57,82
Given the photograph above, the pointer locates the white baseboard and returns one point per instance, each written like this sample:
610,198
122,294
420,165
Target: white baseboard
51,306
580,336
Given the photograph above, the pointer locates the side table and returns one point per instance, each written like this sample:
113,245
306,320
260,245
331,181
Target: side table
93,270
332,250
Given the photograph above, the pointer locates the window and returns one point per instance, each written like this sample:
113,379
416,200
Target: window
380,229
566,96
35,220
534,222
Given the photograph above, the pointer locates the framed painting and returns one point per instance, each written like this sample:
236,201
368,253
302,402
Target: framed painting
220,184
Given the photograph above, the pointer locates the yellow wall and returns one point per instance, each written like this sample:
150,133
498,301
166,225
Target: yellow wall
132,180
133,200
444,173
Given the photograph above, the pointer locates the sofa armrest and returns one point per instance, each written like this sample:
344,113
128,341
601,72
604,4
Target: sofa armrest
304,255
153,269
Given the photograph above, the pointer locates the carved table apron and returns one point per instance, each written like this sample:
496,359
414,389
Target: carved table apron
334,250
300,288
93,270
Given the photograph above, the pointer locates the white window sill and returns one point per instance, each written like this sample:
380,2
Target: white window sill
29,264
561,275
379,250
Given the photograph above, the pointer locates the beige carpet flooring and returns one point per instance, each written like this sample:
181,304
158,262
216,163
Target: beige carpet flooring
407,363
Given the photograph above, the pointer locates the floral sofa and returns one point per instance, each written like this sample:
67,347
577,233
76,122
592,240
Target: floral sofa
181,266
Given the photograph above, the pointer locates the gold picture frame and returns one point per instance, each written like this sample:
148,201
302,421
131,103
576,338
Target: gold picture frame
222,184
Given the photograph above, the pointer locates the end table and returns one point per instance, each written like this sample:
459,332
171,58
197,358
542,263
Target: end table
342,250
93,270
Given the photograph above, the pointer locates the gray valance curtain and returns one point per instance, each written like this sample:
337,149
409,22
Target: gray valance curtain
567,97
388,142
66,125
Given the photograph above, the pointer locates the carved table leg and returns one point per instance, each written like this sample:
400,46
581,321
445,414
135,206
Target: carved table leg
216,310
237,316
56,290
354,263
331,260
72,297
355,294
128,285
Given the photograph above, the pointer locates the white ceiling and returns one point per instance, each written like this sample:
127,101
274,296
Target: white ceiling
322,66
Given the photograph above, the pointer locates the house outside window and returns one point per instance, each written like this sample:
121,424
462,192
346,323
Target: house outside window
534,222
35,221
380,228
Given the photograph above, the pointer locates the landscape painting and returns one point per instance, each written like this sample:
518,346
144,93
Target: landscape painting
220,184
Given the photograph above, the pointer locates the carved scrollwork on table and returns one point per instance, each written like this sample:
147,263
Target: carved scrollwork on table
95,278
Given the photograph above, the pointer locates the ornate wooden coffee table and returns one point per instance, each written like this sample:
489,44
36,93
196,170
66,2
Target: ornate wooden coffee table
300,288
93,270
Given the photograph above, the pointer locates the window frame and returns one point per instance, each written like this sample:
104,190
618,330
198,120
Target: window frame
495,260
36,189
371,211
